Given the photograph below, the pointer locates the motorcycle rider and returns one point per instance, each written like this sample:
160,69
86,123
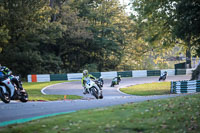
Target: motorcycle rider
86,75
118,79
163,76
8,74
165,73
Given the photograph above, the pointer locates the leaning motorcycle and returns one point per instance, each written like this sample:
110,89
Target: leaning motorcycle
115,81
94,87
163,77
100,82
9,90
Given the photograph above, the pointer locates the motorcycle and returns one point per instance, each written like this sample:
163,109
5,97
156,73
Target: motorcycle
163,76
115,81
9,90
100,82
94,87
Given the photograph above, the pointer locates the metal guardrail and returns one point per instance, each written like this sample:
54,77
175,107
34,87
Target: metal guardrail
112,74
191,86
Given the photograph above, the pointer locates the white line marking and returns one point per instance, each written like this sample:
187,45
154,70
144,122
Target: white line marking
42,91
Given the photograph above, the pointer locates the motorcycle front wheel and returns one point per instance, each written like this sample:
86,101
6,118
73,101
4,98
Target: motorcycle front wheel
95,92
4,97
24,97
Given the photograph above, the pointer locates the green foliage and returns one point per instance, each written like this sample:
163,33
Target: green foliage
105,18
187,19
168,21
59,36
90,67
62,37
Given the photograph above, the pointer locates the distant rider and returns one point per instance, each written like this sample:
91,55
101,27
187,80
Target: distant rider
86,75
8,74
163,76
118,79
165,73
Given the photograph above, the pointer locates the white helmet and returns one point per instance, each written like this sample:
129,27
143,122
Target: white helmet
85,73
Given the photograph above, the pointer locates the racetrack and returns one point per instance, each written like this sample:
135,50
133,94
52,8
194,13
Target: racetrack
17,110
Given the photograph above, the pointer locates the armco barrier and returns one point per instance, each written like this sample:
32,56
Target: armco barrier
189,71
39,78
57,77
170,72
139,73
125,74
153,72
180,71
74,76
185,86
95,74
107,75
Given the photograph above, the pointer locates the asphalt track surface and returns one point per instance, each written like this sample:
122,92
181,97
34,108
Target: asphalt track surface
112,96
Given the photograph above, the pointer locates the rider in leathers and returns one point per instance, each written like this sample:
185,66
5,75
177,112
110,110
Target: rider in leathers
86,75
8,74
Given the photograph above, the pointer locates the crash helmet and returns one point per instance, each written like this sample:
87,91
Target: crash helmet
85,73
165,72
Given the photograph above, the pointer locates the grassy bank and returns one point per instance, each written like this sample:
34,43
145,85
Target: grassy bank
34,91
180,114
148,89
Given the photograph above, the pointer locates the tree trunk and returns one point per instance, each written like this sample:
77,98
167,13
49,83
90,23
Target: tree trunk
53,16
188,57
188,53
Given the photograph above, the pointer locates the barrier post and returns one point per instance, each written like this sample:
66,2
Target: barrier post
171,91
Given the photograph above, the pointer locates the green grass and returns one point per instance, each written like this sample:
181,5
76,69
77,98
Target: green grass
34,91
180,114
148,89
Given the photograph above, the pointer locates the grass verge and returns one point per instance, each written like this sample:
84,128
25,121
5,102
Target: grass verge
179,114
148,89
34,91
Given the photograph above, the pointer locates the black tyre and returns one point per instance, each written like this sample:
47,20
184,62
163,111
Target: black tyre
101,96
95,92
24,97
112,84
4,97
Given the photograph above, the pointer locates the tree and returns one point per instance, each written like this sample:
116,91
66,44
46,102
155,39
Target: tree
187,26
27,22
170,20
4,36
105,19
73,48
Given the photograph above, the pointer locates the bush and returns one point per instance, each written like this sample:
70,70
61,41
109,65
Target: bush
91,67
